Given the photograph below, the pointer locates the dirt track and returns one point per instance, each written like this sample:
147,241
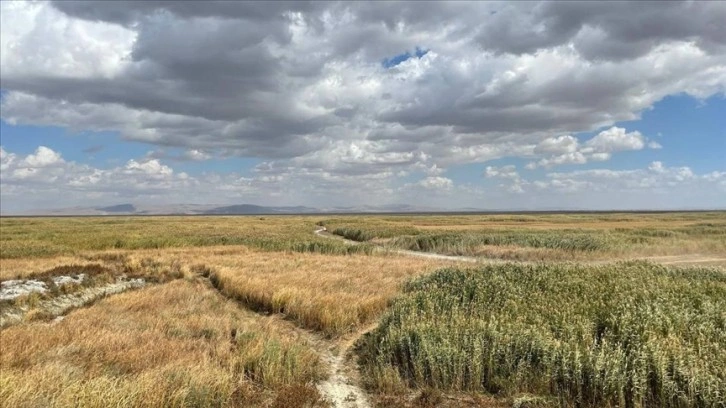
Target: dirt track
684,260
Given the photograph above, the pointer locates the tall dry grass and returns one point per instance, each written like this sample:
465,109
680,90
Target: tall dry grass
179,344
331,294
53,237
543,236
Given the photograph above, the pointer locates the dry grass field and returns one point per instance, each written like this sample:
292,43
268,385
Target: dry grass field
563,237
259,311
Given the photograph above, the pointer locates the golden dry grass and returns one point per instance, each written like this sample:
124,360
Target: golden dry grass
52,237
21,268
333,295
545,237
171,345
177,344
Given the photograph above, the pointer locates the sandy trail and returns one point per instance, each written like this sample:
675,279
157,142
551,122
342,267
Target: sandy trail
689,259
342,387
323,232
686,259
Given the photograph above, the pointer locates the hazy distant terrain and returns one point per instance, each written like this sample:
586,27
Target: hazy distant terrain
211,209
252,209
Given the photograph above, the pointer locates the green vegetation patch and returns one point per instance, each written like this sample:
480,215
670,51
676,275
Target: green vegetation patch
466,243
48,237
628,335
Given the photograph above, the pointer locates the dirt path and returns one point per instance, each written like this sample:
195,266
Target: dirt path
689,259
686,259
342,387
323,232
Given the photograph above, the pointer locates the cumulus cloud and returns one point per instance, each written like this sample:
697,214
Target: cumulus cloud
615,139
301,86
187,156
436,182
285,79
43,157
655,178
509,171
568,149
512,181
45,179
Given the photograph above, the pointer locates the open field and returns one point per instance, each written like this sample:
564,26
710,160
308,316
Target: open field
259,311
168,345
544,237
51,237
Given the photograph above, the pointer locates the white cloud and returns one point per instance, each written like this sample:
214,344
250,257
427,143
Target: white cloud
67,183
39,40
558,145
567,158
43,157
6,159
655,177
300,86
196,155
513,182
657,167
152,168
299,83
615,139
509,171
568,150
436,183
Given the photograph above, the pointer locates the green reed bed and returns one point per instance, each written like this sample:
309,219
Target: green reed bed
628,335
467,243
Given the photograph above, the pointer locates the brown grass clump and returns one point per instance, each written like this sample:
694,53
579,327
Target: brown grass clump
299,396
178,344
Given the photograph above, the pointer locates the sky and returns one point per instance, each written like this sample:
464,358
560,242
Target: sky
496,106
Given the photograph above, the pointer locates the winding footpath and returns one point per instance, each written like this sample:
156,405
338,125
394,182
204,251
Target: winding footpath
342,387
323,232
690,259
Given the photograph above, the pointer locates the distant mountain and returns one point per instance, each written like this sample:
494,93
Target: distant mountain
390,208
252,209
121,208
210,209
257,209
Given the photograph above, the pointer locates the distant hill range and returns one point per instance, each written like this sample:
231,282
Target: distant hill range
237,209
251,209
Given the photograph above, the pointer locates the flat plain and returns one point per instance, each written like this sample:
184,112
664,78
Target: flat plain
507,310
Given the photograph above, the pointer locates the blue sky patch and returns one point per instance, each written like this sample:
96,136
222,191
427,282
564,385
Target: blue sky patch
397,59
